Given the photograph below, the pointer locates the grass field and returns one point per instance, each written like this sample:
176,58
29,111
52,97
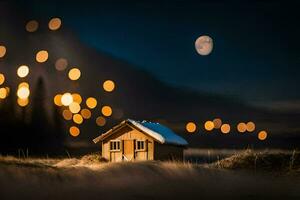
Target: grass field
244,175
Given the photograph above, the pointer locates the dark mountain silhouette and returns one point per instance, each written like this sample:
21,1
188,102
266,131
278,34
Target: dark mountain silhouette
138,94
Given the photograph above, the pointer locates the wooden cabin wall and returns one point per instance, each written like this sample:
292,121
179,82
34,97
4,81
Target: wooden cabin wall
168,152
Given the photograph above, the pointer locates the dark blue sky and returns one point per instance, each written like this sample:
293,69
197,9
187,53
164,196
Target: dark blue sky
255,52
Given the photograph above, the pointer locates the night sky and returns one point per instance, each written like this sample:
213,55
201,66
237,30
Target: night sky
255,44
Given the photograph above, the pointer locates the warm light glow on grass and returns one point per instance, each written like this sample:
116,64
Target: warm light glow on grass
74,74
54,24
77,98
109,86
91,102
74,131
67,114
190,127
225,128
74,107
106,111
32,26
3,93
2,51
209,125
77,118
23,71
57,100
23,102
242,127
23,92
2,79
250,127
61,64
262,135
217,123
86,113
42,56
100,121
66,99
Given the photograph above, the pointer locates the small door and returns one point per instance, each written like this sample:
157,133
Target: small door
128,150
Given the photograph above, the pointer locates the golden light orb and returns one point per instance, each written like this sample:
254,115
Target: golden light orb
77,98
66,99
23,84
54,24
209,125
3,93
225,128
67,114
191,127
262,135
217,123
242,127
23,102
74,74
77,118
250,126
74,107
32,26
100,121
2,51
57,100
2,79
74,131
106,111
23,71
61,64
91,102
42,56
86,113
108,85
23,92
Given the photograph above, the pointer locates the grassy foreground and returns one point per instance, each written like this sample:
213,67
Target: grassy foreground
247,175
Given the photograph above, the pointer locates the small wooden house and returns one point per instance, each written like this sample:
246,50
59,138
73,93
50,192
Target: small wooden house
134,140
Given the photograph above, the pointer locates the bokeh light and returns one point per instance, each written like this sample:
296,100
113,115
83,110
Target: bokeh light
57,100
42,56
3,93
262,135
23,92
100,121
109,86
66,99
32,26
250,126
225,128
61,64
23,84
23,102
242,127
54,24
209,125
2,51
91,102
74,74
67,115
217,123
190,127
23,71
74,107
77,98
106,111
77,118
86,113
74,131
2,79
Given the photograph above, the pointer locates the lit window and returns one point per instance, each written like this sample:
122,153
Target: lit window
115,145
140,145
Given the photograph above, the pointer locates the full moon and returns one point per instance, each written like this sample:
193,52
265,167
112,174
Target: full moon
204,45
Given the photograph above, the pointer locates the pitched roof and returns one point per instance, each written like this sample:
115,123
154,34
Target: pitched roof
159,132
